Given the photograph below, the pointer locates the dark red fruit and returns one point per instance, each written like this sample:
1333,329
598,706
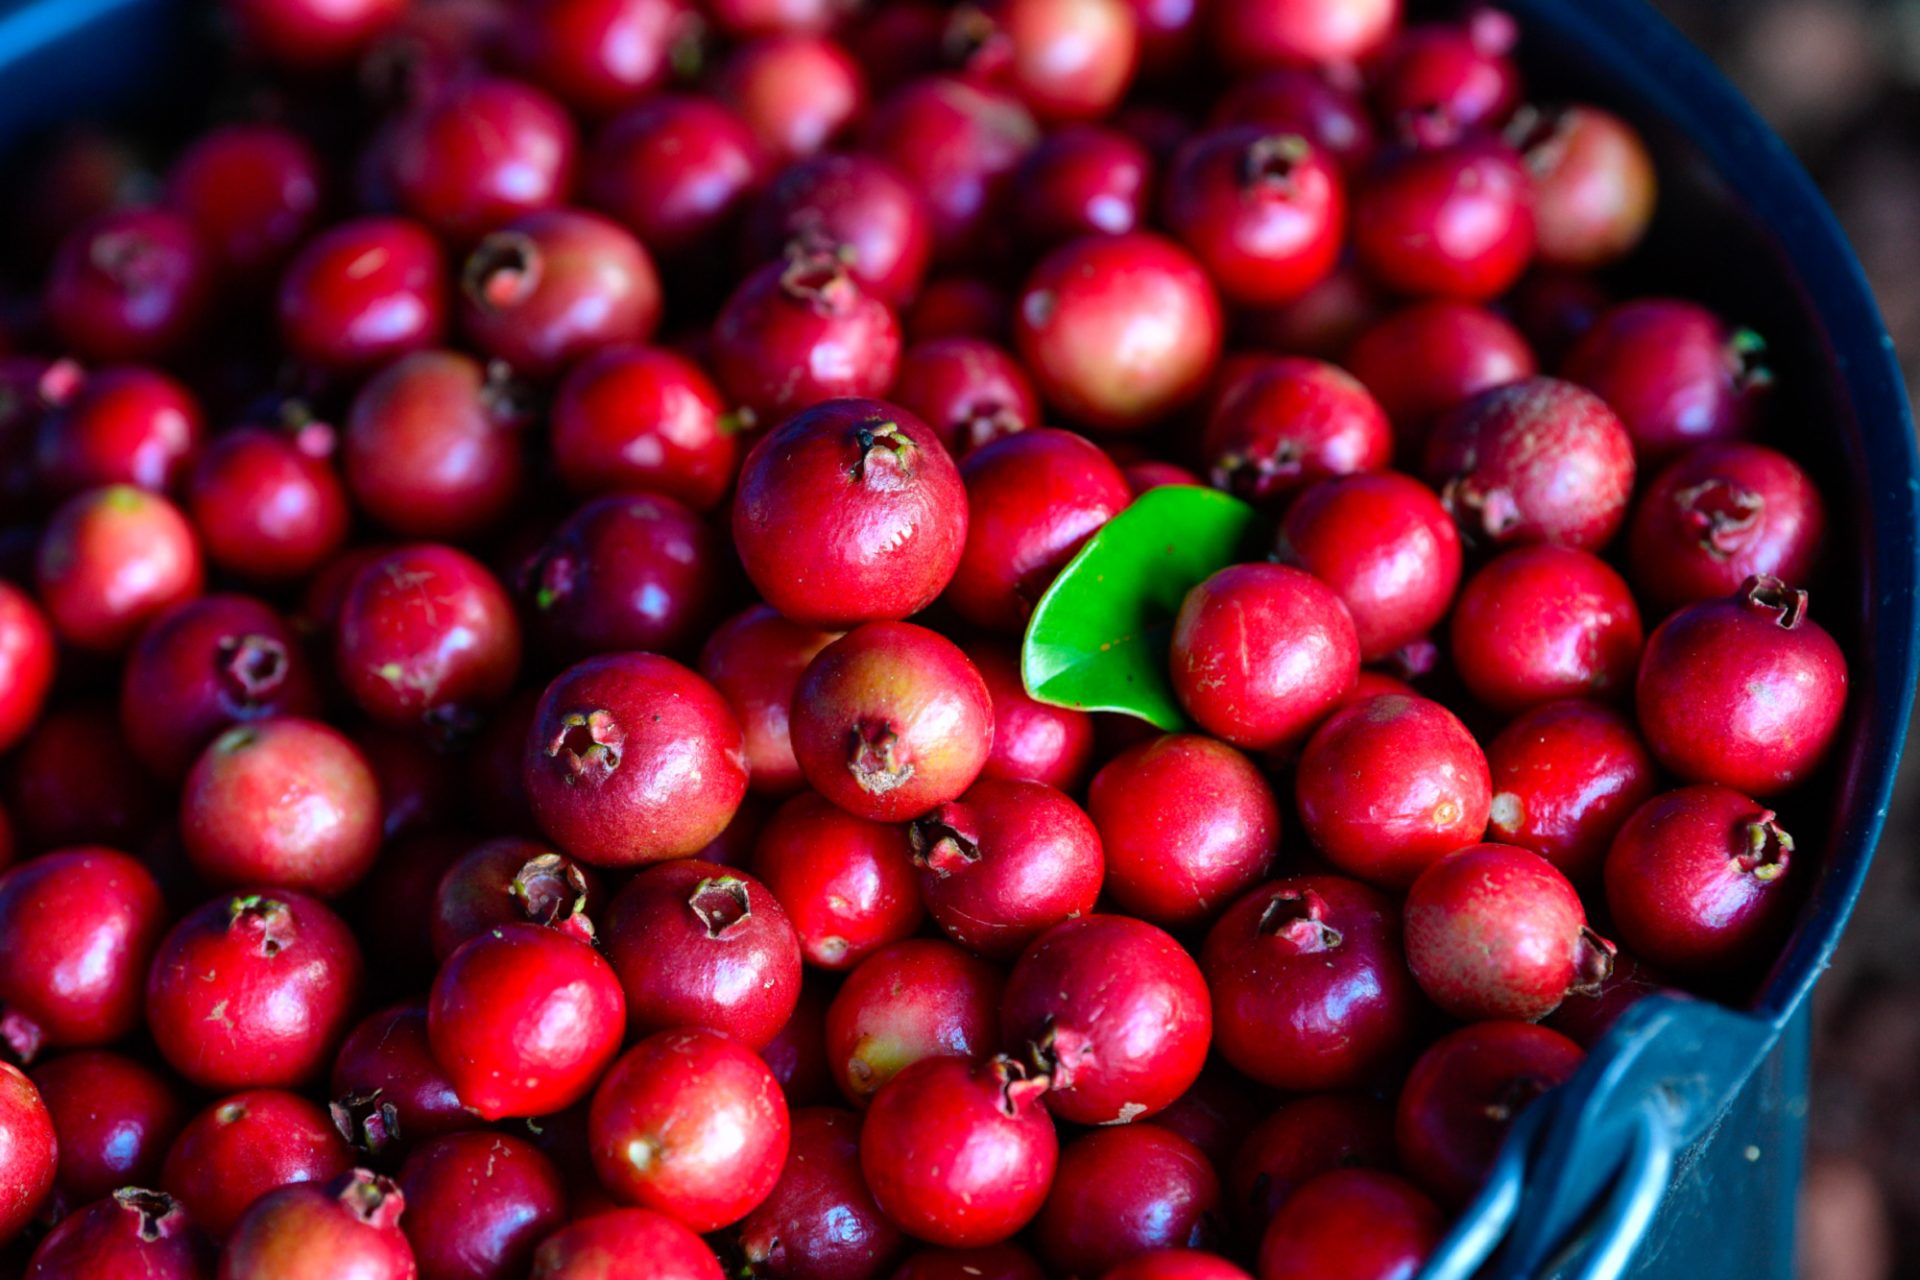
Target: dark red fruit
387,1089
351,1227
1496,932
1302,1140
128,425
75,782
1674,372
631,1244
1032,740
1464,1093
1719,514
1537,460
989,1262
1544,622
556,285
1428,358
133,284
700,945
960,1154
755,659
1390,784
1452,72
507,880
970,391
1290,422
480,154
1453,221
1746,691
675,170
26,663
1566,775
1261,653
1310,988
820,1221
1594,187
363,292
110,561
432,446
869,488
1187,824
1268,33
313,34
268,505
797,1054
891,721
634,417
1114,1012
912,1000
204,666
801,330
244,1146
523,1019
129,1234
1080,181
426,634
1352,1224
1385,545
285,803
1176,1264
1035,497
633,759
28,1151
478,1204
1005,862
1264,211
1585,1019
1119,331
77,928
624,572
115,1119
600,55
252,191
960,307
691,1124
847,884
957,144
856,206
1217,1111
1697,881
797,92
1121,1192
253,991
1302,101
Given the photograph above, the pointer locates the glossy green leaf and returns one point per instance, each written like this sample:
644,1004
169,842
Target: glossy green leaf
1098,638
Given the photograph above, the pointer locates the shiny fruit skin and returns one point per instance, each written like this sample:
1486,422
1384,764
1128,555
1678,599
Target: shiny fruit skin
856,203
269,507
915,999
128,1234
692,1125
1032,740
1675,373
801,330
1288,422
624,1244
1298,1142
1542,622
110,561
1352,1224
387,1087
1264,210
363,292
820,1221
243,1146
636,417
1453,221
480,154
29,1151
115,1117
347,1230
478,1204
755,659
1594,187
1270,33
26,663
1431,357
1122,1191
675,170
1566,776
957,144
625,572
847,884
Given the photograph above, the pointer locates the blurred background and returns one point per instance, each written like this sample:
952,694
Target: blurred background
1840,80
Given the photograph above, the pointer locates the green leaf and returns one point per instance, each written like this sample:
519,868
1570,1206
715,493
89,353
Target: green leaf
1098,638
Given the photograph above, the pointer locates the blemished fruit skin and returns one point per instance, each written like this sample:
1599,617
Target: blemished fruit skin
28,1151
960,1154
1121,1191
1309,983
130,1234
868,485
1747,691
1115,1012
1697,880
1358,1224
1495,932
1566,776
800,331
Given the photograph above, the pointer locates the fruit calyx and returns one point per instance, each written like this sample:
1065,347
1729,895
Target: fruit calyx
1593,958
154,1209
821,280
1515,1096
365,1121
1271,161
873,757
1019,1088
1766,592
267,919
371,1198
552,891
588,745
1297,917
502,271
721,902
1746,358
1722,515
21,1036
1769,849
886,455
250,667
945,841
1058,1052
1479,511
